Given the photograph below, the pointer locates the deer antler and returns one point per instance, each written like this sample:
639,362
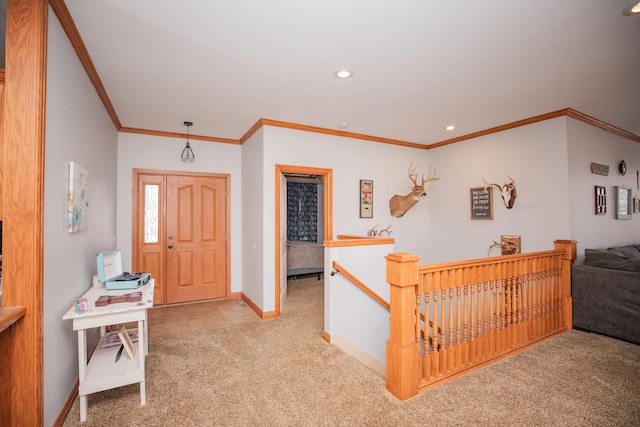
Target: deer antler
412,174
486,185
429,177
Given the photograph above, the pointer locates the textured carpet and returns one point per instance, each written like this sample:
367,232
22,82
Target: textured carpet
280,372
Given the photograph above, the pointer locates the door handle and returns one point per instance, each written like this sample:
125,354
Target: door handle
170,246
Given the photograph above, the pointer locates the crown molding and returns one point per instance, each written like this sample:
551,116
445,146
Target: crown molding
316,129
178,135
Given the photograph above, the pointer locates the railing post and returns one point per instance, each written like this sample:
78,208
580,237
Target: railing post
402,368
569,248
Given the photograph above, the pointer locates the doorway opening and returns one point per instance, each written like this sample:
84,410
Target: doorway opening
311,199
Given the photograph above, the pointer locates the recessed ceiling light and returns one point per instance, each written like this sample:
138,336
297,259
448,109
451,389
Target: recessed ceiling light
632,9
343,74
343,125
450,127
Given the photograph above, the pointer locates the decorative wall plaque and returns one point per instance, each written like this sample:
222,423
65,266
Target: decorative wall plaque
600,169
481,203
366,198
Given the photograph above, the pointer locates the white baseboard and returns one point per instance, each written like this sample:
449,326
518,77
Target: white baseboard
355,351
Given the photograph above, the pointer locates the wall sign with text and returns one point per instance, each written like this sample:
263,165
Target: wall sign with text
481,203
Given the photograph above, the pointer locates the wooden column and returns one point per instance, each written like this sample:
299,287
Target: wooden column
403,368
23,203
569,248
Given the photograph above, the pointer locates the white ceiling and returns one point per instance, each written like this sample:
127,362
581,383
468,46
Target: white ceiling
419,64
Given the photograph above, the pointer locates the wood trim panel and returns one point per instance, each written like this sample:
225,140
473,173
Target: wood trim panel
306,128
70,29
602,125
2,112
251,131
345,240
23,202
500,128
10,315
552,115
68,406
256,309
178,135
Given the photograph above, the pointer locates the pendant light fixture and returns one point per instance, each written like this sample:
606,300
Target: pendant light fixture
187,155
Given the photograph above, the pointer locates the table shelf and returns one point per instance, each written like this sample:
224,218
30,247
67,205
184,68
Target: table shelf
102,372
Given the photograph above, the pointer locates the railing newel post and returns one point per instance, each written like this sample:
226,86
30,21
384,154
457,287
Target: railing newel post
403,350
570,249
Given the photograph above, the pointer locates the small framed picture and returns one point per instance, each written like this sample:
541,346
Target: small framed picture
366,198
601,200
622,202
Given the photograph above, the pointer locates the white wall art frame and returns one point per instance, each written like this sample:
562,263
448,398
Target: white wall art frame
78,214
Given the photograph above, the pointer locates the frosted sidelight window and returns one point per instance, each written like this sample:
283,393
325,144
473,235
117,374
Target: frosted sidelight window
151,213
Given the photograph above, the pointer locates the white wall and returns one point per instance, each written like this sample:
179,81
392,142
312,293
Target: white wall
163,153
351,160
79,130
356,322
535,156
589,144
252,219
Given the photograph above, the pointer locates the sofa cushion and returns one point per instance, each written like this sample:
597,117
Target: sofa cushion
630,251
612,258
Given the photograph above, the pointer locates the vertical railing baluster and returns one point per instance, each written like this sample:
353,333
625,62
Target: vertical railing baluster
492,312
429,332
443,324
435,360
465,317
458,305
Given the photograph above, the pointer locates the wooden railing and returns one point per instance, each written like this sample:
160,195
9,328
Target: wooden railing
448,319
359,284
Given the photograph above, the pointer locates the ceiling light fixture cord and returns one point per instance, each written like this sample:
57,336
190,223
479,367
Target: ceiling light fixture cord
187,155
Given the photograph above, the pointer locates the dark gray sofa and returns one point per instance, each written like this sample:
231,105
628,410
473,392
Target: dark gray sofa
605,288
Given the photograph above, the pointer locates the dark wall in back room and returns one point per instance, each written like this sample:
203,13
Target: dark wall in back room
302,211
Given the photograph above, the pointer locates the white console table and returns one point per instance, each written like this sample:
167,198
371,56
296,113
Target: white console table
102,372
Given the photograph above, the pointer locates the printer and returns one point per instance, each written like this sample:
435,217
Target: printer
110,272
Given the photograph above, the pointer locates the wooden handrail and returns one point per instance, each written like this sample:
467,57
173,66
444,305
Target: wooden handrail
361,285
485,261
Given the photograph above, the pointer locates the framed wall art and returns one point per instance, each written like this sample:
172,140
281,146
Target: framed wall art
78,209
622,202
366,198
481,203
601,200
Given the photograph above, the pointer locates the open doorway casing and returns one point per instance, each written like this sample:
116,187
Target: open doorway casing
280,204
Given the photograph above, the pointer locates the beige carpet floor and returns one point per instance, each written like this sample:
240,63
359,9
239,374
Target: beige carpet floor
280,372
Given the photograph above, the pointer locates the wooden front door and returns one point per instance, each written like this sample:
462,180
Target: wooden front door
188,254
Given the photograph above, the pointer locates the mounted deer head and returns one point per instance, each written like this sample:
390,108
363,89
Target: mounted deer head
399,205
508,192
